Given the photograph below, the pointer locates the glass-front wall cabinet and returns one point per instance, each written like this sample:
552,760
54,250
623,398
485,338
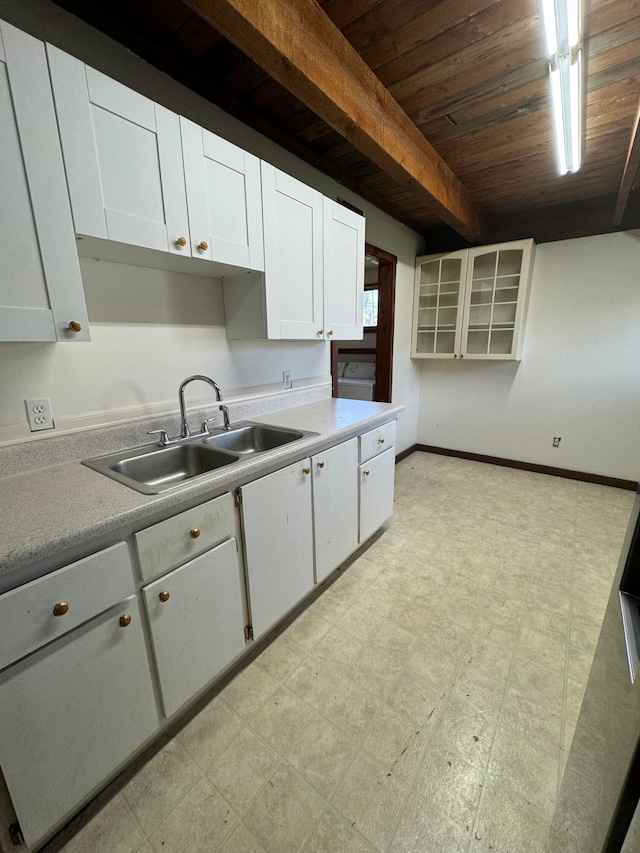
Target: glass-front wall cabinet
472,303
439,286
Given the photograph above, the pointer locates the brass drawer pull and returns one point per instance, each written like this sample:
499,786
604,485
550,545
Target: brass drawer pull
194,532
203,246
181,242
61,608
164,596
75,326
320,464
124,621
381,441
366,473
306,470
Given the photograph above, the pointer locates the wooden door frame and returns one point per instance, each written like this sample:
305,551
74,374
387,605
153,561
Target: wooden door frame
384,336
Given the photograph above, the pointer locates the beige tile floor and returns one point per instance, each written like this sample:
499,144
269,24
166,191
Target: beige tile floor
425,702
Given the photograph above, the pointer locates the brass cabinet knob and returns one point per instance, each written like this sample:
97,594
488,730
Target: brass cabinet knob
366,473
329,333
181,242
61,608
194,532
306,470
455,355
203,246
164,596
320,464
320,332
461,355
124,621
74,326
381,441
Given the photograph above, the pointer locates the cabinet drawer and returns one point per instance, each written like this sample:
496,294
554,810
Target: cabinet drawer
88,587
379,439
176,540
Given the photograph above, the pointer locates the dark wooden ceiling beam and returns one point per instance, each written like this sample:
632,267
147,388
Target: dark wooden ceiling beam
295,42
631,169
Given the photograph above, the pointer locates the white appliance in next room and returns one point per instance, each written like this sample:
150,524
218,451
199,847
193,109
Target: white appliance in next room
357,380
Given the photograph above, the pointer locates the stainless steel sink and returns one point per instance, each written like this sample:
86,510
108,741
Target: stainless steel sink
153,469
247,438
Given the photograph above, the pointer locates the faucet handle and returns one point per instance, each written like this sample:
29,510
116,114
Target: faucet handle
164,438
225,413
206,421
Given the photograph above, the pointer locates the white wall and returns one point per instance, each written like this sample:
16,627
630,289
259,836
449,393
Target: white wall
579,377
150,329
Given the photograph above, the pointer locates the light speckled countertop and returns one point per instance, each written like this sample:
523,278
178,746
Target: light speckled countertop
48,516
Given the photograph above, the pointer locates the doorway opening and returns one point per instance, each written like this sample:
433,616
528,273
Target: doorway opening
363,369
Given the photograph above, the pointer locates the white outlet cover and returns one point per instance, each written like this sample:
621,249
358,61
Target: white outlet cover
39,414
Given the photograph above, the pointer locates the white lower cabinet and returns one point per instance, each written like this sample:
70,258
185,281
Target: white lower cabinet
80,688
376,492
278,538
335,506
196,620
72,713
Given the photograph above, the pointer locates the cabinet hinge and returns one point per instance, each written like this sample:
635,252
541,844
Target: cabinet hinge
237,498
248,632
15,834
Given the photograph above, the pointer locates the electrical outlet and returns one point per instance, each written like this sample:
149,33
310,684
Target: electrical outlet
556,441
39,414
286,378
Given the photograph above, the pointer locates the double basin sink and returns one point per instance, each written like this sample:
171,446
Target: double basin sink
153,469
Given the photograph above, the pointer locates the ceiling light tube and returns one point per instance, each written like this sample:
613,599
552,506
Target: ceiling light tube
550,26
575,109
558,122
573,23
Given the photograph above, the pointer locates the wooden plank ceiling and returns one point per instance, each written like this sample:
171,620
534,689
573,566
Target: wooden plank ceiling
471,76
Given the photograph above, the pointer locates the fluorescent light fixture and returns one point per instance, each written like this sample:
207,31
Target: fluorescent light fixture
550,27
562,31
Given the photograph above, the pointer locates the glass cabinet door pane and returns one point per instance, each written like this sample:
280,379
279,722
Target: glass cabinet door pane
477,342
445,342
484,266
451,269
426,342
501,341
510,262
430,272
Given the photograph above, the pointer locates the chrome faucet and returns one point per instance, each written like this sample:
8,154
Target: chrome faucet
185,432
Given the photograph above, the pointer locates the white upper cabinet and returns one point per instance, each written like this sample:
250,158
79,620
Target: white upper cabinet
343,272
472,303
123,157
292,214
40,285
313,282
224,199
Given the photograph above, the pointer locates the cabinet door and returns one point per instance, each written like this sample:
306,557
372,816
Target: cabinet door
123,157
343,272
224,199
438,305
292,214
335,506
496,298
89,702
197,624
376,492
278,535
40,284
